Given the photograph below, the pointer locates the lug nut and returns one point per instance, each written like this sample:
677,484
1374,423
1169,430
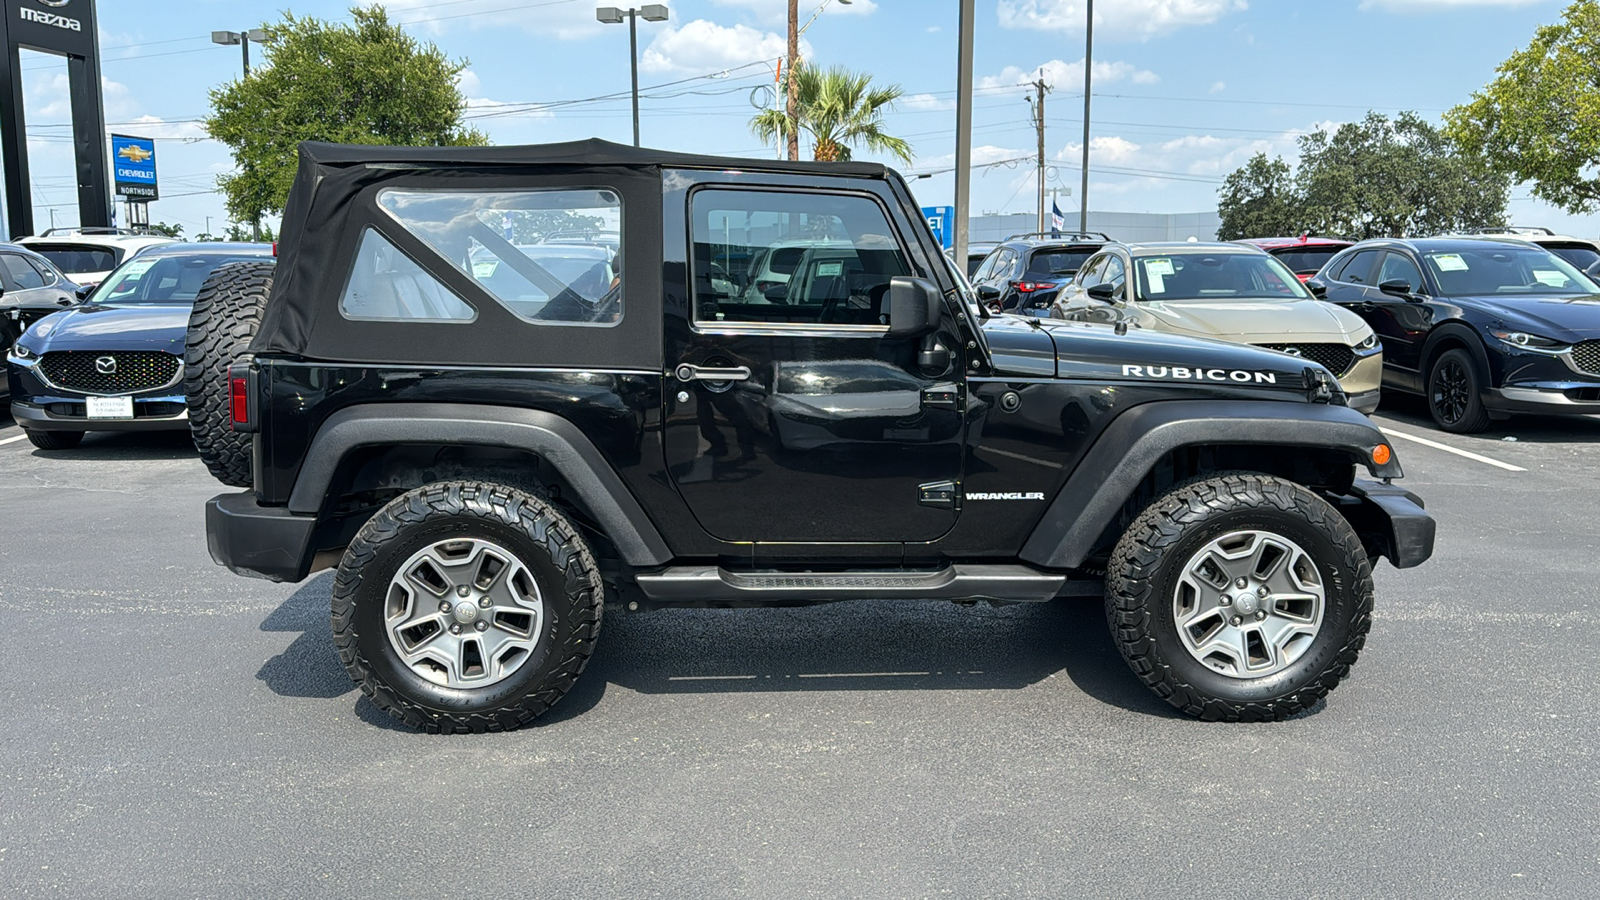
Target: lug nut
1261,615
1226,600
1235,620
482,625
462,591
455,629
1261,591
1241,582
444,607
485,602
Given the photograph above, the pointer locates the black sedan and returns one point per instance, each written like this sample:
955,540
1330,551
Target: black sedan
31,287
1480,327
115,362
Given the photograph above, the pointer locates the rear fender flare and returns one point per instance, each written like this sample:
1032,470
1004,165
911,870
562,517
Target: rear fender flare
554,439
1131,446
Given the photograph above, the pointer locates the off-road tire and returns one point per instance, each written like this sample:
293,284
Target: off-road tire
543,539
227,313
1142,576
1457,364
54,440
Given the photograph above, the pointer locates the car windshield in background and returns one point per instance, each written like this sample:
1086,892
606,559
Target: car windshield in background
1580,257
1506,270
1220,276
75,259
1307,259
161,279
1057,262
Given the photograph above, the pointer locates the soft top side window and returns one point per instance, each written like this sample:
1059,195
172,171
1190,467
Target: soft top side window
385,285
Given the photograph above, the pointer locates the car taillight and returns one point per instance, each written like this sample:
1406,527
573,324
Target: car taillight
239,400
1028,287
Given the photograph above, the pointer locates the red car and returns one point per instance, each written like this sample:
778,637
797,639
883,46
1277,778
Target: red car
1304,255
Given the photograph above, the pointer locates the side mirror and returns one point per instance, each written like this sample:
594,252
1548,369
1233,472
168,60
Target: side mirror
1397,287
987,292
1594,269
914,307
1105,293
84,291
778,293
1317,289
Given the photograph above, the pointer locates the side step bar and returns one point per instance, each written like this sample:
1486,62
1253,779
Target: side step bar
716,585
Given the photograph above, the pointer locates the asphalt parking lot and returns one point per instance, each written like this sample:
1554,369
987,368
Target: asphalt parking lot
173,730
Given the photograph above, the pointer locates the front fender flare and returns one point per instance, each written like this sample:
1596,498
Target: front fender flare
1132,445
554,439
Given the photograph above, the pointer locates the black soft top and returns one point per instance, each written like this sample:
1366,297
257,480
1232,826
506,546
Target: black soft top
591,152
332,203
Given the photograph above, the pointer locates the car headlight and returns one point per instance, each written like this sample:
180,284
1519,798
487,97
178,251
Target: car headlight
1370,342
1524,341
21,352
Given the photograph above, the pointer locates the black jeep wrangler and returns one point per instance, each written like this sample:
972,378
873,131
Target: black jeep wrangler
500,387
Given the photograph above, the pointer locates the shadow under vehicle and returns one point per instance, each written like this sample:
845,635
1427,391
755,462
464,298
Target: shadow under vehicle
828,441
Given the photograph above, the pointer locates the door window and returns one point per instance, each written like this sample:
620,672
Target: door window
22,276
1115,274
1359,269
986,269
44,271
1398,267
782,258
1089,275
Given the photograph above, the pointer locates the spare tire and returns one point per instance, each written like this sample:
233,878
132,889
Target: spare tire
227,313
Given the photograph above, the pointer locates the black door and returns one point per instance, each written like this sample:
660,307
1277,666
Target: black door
791,416
1402,323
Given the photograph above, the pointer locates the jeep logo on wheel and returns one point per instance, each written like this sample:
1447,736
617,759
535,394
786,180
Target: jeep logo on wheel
106,365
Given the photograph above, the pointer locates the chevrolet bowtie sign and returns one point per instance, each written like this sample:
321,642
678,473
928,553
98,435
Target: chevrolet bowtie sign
133,162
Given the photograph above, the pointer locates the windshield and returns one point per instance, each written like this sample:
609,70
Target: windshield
1059,262
1306,260
75,259
160,279
1220,276
1499,269
1580,257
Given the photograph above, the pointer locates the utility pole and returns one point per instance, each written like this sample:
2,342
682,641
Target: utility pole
1037,102
1088,86
793,91
963,173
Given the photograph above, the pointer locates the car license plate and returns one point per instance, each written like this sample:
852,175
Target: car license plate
110,407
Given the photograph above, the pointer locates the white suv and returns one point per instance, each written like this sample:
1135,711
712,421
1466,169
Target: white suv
87,255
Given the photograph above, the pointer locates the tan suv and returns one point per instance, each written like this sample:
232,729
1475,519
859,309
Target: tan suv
1229,292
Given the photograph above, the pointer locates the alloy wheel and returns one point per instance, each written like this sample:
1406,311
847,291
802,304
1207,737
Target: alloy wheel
1249,603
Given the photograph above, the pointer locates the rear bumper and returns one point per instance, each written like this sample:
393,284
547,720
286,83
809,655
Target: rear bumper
260,541
1390,521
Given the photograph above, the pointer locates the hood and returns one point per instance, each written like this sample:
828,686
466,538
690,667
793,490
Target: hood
1095,351
1566,319
1256,321
111,328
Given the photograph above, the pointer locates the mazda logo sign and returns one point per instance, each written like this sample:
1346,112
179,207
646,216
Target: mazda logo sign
54,4
106,365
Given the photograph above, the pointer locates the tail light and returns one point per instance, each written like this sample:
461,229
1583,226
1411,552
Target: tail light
1028,287
241,394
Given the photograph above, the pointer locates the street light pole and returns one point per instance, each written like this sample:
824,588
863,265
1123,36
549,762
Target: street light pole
243,39
611,15
963,129
1088,84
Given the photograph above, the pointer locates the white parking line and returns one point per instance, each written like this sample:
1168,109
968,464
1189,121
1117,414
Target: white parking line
1448,449
13,440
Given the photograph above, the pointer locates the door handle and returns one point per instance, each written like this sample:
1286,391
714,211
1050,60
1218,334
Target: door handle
687,372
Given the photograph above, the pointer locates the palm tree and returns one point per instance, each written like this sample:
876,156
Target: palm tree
838,108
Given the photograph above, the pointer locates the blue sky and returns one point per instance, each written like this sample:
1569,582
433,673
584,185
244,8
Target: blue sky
1185,90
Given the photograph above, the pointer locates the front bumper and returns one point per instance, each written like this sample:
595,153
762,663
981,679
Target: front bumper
260,541
1549,399
1390,521
147,416
1363,403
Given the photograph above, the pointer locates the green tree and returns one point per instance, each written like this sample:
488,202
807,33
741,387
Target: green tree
165,230
840,110
239,232
1393,178
363,83
1536,119
1259,200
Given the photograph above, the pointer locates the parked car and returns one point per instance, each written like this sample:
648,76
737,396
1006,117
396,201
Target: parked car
1583,253
1304,255
30,289
87,255
115,362
482,521
1481,327
1024,273
1230,292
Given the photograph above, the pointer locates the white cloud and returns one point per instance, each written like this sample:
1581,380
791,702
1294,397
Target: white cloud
1431,5
564,21
1195,156
924,102
1118,20
1060,75
704,46
776,12
1218,87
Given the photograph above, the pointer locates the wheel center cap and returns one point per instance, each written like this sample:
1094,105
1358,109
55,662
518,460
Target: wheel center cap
465,612
1246,604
